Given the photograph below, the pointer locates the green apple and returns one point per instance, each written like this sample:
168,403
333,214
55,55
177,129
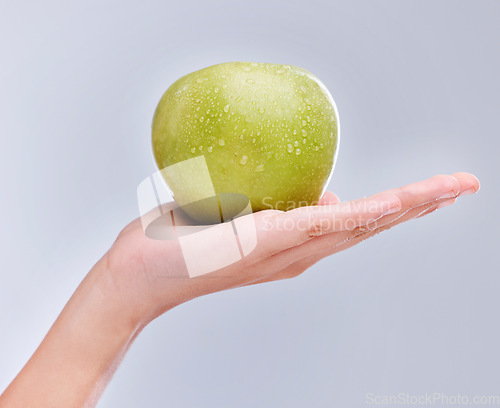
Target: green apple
269,132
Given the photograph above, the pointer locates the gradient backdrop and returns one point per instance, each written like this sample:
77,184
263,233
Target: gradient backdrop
414,310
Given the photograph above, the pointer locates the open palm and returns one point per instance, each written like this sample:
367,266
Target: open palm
155,275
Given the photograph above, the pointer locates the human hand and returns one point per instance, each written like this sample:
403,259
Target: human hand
139,278
152,275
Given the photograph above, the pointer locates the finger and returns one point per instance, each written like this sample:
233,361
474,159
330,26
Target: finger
410,196
288,267
329,198
428,192
417,199
436,192
294,268
469,184
362,236
279,231
311,222
439,187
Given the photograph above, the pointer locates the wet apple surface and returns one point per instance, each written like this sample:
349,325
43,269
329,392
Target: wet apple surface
267,131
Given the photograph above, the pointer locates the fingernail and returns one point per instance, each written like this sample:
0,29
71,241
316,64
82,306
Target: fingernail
446,203
450,194
468,191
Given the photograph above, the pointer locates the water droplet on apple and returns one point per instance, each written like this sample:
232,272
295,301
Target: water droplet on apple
216,89
224,86
239,98
298,151
210,149
222,142
304,123
304,132
296,143
289,148
226,108
246,68
202,119
201,80
262,110
260,167
200,148
253,140
280,71
308,118
193,150
243,160
304,141
250,81
321,145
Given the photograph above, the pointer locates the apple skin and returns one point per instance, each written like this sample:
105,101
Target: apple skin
267,131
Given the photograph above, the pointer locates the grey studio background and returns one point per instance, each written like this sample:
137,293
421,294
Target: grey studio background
414,310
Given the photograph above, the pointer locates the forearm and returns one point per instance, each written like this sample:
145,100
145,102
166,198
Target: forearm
81,351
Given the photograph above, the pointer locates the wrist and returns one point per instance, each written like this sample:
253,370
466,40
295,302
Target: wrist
140,292
120,307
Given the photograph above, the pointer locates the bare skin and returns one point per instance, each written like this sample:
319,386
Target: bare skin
139,279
